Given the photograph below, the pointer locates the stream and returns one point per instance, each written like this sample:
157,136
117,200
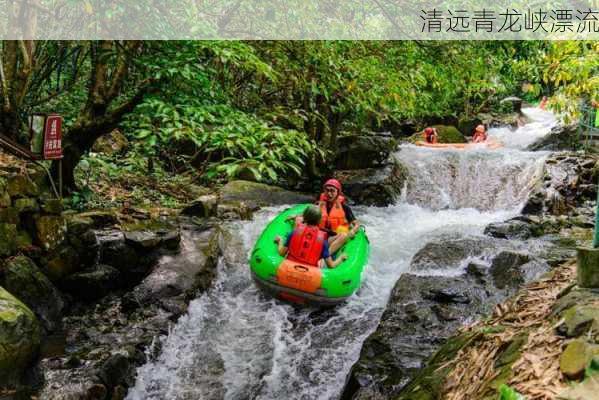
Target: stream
237,343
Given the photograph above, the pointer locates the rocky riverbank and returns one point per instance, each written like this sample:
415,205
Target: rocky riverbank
85,297
425,309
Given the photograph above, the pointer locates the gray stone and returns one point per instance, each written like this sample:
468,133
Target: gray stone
363,151
588,267
93,284
374,186
22,278
256,195
19,338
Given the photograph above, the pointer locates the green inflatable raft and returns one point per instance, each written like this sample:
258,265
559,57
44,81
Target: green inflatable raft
299,283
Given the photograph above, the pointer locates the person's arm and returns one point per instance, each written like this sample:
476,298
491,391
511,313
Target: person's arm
281,248
353,222
334,263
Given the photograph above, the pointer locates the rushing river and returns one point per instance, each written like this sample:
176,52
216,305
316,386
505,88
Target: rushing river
238,343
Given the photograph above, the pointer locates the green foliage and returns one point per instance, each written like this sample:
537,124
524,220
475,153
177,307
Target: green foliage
508,393
224,142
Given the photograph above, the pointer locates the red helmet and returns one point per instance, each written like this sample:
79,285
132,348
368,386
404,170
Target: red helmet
334,183
428,130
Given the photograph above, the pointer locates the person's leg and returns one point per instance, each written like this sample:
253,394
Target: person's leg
337,242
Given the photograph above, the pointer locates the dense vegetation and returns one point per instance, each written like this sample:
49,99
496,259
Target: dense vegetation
269,110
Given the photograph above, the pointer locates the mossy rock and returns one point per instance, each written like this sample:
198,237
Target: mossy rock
52,206
446,134
580,318
574,359
429,382
449,134
9,215
21,186
27,204
51,231
8,242
19,338
63,263
23,278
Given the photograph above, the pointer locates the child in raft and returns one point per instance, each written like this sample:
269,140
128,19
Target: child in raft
307,243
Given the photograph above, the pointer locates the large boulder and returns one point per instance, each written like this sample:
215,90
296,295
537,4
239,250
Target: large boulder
19,338
93,284
51,231
257,195
447,252
374,186
562,137
446,134
177,278
22,278
423,310
363,151
113,143
569,180
511,229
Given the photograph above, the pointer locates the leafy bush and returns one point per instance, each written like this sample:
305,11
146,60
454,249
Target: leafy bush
219,141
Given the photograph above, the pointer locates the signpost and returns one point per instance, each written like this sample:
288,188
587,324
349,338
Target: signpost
53,138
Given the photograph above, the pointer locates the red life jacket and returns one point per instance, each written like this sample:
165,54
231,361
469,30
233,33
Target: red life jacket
335,218
306,244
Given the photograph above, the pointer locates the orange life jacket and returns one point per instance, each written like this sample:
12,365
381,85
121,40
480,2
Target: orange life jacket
335,219
306,244
430,138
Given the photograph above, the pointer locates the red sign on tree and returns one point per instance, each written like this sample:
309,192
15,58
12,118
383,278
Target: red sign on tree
53,138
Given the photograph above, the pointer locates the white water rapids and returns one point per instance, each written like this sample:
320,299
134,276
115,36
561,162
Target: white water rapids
238,343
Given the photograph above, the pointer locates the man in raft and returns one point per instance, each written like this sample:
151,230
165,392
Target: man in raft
430,135
308,244
480,134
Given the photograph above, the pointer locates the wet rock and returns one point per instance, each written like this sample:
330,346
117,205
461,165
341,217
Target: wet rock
363,151
93,284
19,338
8,244
116,370
231,210
50,231
142,239
574,359
569,181
115,251
22,278
515,103
256,195
444,253
511,229
423,311
179,275
377,187
506,269
203,206
63,262
561,137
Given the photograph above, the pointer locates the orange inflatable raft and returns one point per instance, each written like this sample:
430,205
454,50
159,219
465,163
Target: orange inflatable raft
489,144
